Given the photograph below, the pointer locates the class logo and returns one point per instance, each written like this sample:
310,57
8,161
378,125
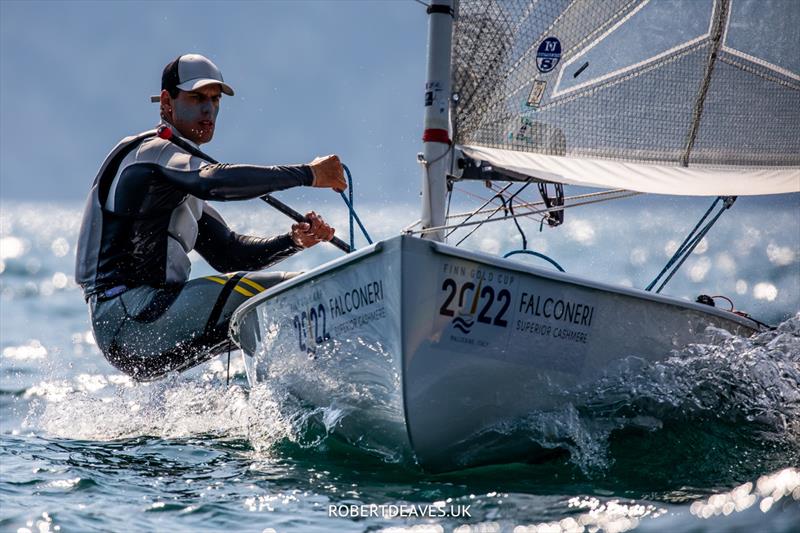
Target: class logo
469,304
463,323
548,54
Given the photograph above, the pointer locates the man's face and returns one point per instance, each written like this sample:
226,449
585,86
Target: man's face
194,113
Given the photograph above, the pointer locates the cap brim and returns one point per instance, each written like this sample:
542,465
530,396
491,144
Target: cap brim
193,85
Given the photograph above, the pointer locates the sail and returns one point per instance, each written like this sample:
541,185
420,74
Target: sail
698,97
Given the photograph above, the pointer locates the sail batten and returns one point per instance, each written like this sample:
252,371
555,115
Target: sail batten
686,87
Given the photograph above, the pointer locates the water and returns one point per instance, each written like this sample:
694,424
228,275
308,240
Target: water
708,440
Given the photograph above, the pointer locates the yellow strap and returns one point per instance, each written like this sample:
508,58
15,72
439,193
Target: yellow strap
243,291
238,289
253,284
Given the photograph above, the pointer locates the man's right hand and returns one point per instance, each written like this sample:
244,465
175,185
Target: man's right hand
328,173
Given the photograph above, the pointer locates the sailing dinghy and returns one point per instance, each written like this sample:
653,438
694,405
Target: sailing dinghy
419,349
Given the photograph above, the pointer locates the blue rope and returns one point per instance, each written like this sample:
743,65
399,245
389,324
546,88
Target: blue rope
353,215
682,248
690,242
537,254
689,249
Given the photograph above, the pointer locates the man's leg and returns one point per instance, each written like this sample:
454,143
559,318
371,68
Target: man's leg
164,332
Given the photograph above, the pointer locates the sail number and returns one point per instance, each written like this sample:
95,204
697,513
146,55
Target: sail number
311,328
490,305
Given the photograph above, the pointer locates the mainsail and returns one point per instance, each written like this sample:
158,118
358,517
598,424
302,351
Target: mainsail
696,97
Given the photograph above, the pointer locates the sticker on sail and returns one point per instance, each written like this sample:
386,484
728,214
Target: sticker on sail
548,54
523,134
537,92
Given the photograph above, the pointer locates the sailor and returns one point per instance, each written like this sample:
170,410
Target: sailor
148,208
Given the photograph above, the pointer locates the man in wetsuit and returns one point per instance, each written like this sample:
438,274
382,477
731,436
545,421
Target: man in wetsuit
148,209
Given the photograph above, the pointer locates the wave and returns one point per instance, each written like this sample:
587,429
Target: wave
720,410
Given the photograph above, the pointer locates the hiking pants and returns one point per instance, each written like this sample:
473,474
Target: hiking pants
148,332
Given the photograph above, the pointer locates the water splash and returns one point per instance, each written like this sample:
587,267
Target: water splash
724,400
170,409
728,378
278,417
104,408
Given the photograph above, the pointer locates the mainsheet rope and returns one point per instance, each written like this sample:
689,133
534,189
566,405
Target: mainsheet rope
352,212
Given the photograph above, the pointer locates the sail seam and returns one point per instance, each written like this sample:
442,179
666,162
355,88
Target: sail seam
716,44
751,69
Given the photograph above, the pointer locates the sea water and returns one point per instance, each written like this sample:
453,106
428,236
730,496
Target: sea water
707,440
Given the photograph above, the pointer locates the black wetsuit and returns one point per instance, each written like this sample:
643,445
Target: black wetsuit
146,211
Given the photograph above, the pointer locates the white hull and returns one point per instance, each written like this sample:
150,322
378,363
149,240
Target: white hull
395,339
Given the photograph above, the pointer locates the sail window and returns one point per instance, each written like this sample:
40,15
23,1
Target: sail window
650,32
765,33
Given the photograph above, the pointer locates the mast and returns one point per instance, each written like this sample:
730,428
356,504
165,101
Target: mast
436,135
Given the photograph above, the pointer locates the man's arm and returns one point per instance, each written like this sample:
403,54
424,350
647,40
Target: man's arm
223,182
239,182
227,251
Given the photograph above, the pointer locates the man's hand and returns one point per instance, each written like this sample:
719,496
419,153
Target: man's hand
307,234
328,173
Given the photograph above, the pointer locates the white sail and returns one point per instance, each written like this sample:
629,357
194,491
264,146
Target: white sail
697,97
697,180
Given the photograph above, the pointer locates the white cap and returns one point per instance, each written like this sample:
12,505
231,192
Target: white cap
189,72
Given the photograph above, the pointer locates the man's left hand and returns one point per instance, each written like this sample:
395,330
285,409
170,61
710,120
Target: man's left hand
307,234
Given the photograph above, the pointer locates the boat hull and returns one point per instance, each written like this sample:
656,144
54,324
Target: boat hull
417,349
